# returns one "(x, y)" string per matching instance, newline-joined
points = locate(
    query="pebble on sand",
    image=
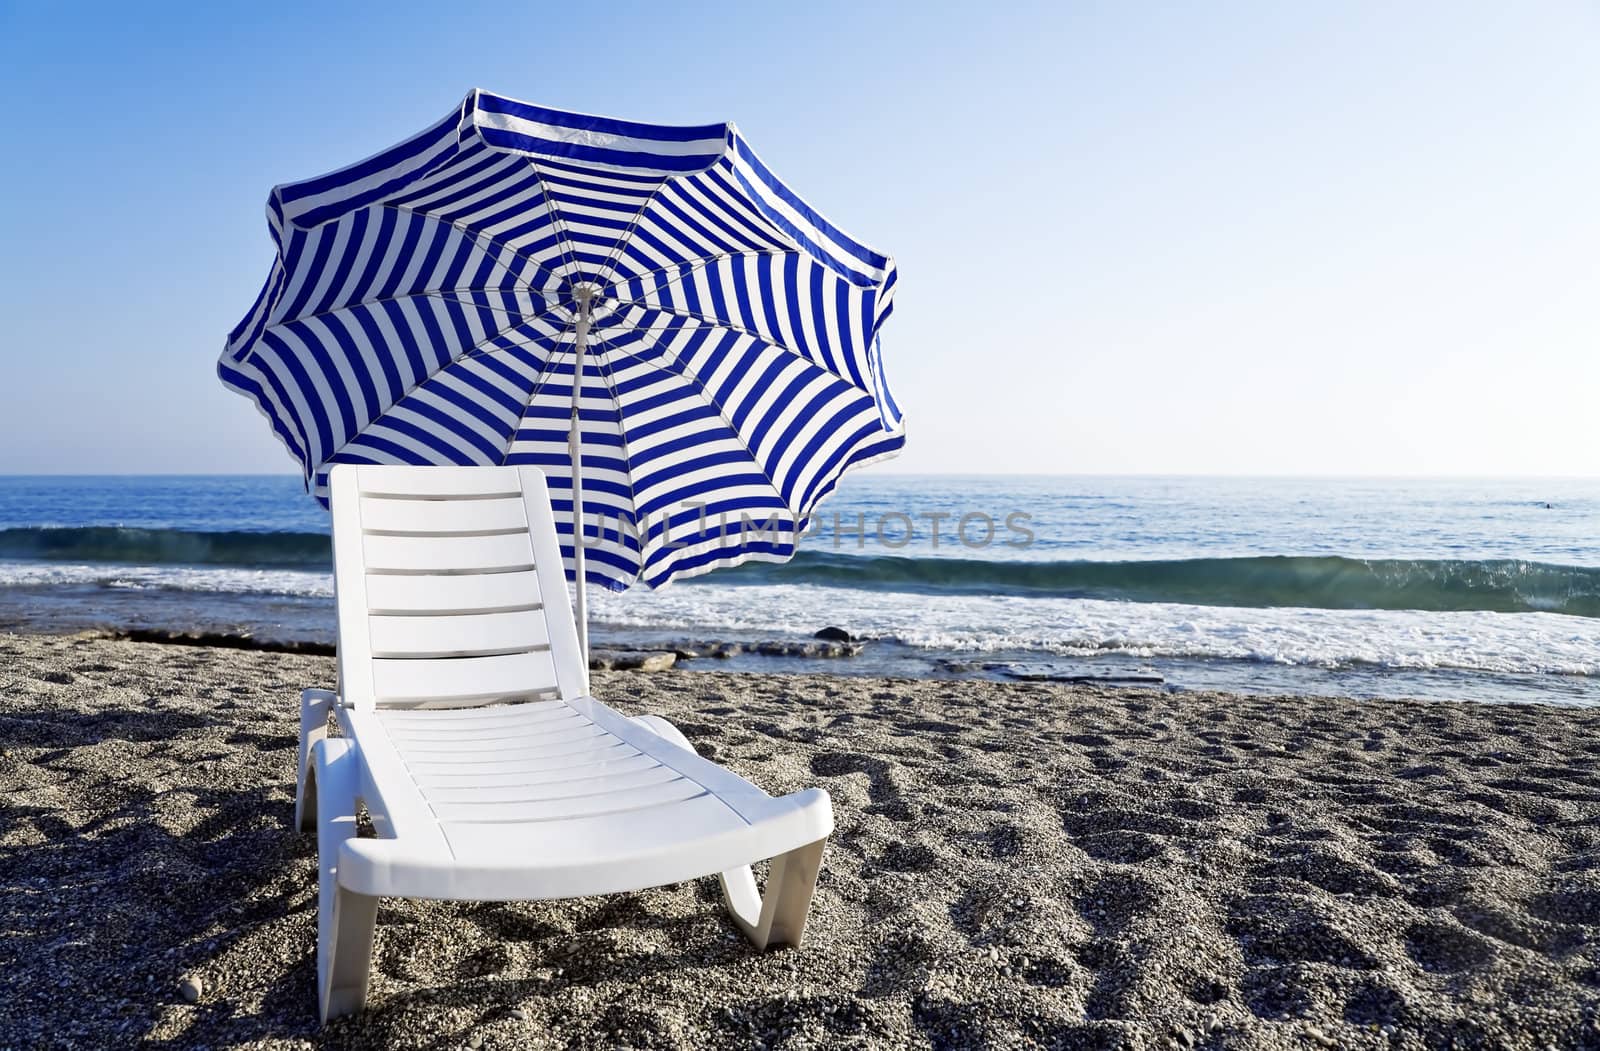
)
(192, 988)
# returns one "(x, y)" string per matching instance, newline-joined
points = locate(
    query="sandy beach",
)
(1015, 866)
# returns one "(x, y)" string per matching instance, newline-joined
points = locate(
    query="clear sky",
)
(1187, 238)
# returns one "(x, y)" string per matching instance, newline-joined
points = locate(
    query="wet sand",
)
(1015, 866)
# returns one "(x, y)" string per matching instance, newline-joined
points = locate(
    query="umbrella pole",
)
(575, 441)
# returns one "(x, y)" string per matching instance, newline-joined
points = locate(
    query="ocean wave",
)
(218, 580)
(1435, 585)
(122, 544)
(1250, 582)
(1398, 640)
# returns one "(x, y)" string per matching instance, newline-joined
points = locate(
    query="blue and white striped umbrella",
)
(433, 304)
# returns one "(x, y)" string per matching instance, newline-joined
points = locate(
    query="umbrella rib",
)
(622, 239)
(432, 374)
(538, 385)
(445, 294)
(685, 372)
(479, 236)
(688, 374)
(695, 264)
(456, 295)
(566, 256)
(615, 253)
(476, 238)
(563, 235)
(640, 304)
(716, 322)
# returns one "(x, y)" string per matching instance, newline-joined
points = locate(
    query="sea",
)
(1475, 589)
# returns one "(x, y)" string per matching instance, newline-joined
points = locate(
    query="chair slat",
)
(585, 783)
(516, 759)
(595, 764)
(579, 838)
(573, 733)
(463, 679)
(494, 715)
(479, 634)
(437, 517)
(527, 771)
(511, 753)
(615, 802)
(546, 713)
(457, 554)
(411, 483)
(470, 593)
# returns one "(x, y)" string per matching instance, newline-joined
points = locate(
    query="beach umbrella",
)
(687, 348)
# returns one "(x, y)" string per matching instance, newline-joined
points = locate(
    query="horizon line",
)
(1266, 475)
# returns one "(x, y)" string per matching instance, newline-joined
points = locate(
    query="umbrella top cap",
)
(579, 291)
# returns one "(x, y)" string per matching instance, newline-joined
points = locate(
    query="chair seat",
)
(555, 799)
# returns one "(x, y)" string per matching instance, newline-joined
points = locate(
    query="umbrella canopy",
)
(516, 282)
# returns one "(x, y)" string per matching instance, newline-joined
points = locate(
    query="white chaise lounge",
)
(467, 731)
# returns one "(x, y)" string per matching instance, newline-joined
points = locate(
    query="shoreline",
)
(1015, 864)
(830, 651)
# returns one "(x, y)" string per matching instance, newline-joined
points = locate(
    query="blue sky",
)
(1187, 238)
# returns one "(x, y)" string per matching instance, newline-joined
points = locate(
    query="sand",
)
(1015, 866)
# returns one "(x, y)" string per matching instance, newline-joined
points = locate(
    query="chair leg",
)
(314, 708)
(347, 961)
(777, 917)
(345, 919)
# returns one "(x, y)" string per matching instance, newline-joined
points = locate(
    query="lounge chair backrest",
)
(450, 588)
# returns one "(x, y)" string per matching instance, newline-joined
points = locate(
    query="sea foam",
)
(1517, 643)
